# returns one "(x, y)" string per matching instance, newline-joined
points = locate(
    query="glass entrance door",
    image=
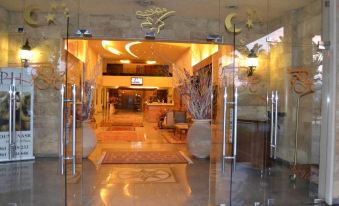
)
(266, 122)
(71, 130)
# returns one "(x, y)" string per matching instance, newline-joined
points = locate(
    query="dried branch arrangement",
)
(197, 92)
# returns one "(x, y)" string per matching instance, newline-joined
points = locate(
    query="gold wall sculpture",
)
(154, 18)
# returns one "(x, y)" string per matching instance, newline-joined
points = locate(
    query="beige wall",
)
(3, 37)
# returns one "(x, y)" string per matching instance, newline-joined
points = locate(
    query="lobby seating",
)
(171, 118)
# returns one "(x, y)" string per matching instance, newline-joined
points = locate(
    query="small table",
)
(181, 127)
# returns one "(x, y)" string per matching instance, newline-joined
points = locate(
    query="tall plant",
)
(197, 92)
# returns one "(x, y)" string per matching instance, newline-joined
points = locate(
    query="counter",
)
(153, 111)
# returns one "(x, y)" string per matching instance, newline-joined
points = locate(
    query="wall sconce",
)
(26, 53)
(252, 62)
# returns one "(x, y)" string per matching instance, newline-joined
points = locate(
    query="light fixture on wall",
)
(26, 53)
(83, 33)
(252, 62)
(215, 38)
(150, 35)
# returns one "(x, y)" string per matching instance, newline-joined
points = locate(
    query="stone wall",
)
(3, 37)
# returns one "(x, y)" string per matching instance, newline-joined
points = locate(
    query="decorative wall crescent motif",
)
(28, 15)
(301, 80)
(229, 24)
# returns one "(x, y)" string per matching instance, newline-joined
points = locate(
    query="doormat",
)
(121, 123)
(113, 136)
(173, 139)
(120, 128)
(140, 175)
(143, 157)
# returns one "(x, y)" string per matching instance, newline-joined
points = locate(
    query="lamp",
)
(252, 62)
(26, 53)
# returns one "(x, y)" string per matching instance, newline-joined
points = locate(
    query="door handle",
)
(12, 119)
(224, 130)
(274, 123)
(74, 96)
(62, 129)
(233, 138)
(63, 134)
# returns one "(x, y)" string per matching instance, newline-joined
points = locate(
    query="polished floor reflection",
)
(39, 183)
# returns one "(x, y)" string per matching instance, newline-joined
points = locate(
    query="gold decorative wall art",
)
(49, 18)
(230, 25)
(27, 15)
(251, 17)
(46, 76)
(154, 18)
(301, 80)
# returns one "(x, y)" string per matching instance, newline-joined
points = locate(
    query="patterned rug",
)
(121, 123)
(120, 128)
(160, 157)
(173, 139)
(113, 136)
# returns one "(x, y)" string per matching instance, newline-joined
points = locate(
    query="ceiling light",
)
(128, 48)
(125, 61)
(151, 62)
(107, 46)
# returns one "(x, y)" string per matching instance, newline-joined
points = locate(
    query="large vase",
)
(88, 139)
(199, 138)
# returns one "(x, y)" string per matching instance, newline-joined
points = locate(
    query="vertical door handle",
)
(276, 123)
(272, 125)
(224, 130)
(235, 133)
(233, 138)
(10, 121)
(62, 129)
(74, 95)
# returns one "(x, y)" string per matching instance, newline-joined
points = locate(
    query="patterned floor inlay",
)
(140, 175)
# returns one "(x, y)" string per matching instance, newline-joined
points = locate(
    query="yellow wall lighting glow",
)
(107, 45)
(128, 47)
(125, 61)
(151, 62)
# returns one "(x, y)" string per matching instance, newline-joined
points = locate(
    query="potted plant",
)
(196, 91)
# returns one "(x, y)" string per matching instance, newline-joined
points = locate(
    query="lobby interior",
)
(221, 107)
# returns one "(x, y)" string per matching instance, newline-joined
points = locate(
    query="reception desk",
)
(153, 111)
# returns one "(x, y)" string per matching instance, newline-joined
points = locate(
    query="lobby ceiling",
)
(268, 9)
(140, 52)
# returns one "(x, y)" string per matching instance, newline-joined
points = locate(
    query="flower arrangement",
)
(196, 91)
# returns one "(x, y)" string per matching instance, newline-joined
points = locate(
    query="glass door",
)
(71, 135)
(267, 111)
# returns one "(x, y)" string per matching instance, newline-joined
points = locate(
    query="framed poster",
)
(16, 115)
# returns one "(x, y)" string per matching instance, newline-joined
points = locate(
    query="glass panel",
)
(73, 143)
(269, 119)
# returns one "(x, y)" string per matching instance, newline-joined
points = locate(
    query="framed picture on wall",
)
(136, 81)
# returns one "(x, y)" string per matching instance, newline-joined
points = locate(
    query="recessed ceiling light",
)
(125, 61)
(151, 62)
(107, 45)
(128, 48)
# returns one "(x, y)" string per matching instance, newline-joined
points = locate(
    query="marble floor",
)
(39, 182)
